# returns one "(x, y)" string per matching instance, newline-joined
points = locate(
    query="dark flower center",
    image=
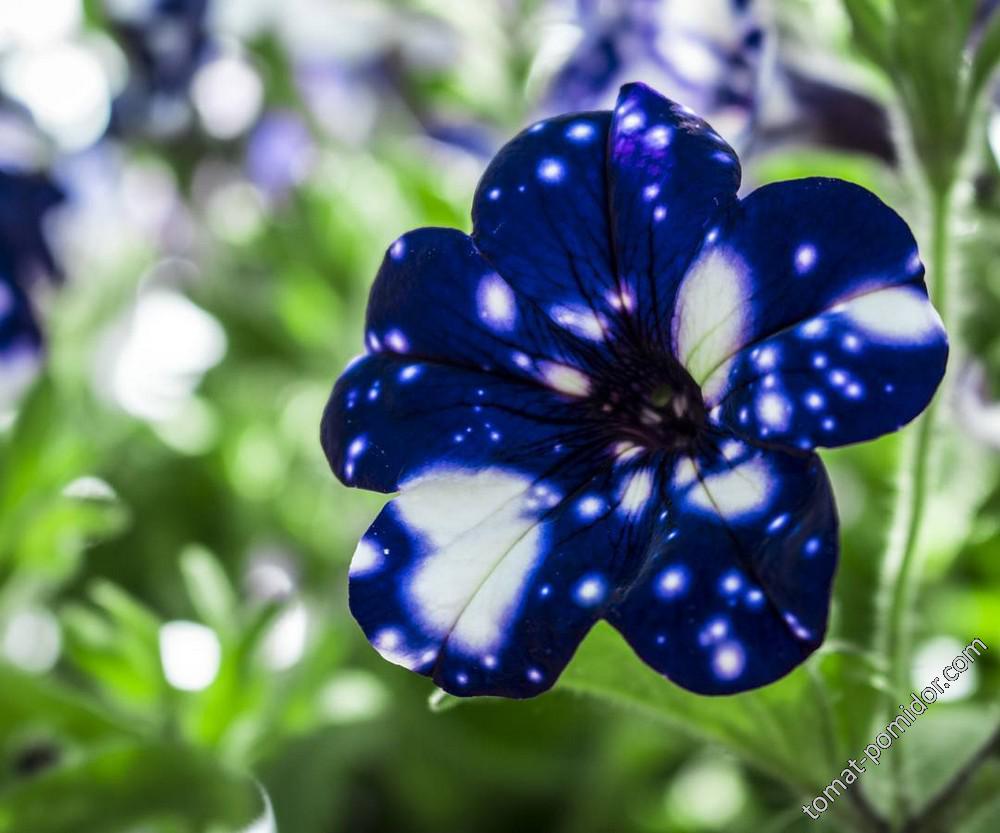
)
(653, 403)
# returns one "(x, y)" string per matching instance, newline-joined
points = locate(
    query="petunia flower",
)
(25, 198)
(20, 341)
(711, 56)
(603, 404)
(725, 60)
(165, 41)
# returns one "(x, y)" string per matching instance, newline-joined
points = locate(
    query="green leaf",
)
(127, 784)
(785, 729)
(208, 587)
(985, 59)
(868, 20)
(28, 701)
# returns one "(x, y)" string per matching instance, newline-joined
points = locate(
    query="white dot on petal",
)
(766, 358)
(714, 630)
(490, 661)
(590, 506)
(545, 590)
(796, 627)
(814, 400)
(672, 582)
(838, 378)
(397, 341)
(534, 675)
(580, 131)
(813, 329)
(754, 598)
(805, 258)
(659, 213)
(854, 390)
(828, 424)
(356, 447)
(495, 303)
(633, 121)
(590, 591)
(651, 192)
(658, 136)
(551, 170)
(494, 194)
(729, 660)
(397, 249)
(461, 678)
(851, 343)
(730, 582)
(774, 411)
(777, 523)
(819, 360)
(811, 547)
(409, 373)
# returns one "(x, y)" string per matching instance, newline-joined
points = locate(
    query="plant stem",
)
(901, 576)
(932, 816)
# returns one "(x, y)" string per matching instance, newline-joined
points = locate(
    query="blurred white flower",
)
(31, 640)
(152, 361)
(190, 654)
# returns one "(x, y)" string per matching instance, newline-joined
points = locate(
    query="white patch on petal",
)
(898, 315)
(711, 318)
(565, 379)
(636, 492)
(367, 559)
(734, 493)
(685, 473)
(482, 542)
(580, 321)
(495, 303)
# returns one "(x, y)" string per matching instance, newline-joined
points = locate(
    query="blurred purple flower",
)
(280, 153)
(709, 56)
(165, 41)
(975, 410)
(719, 58)
(25, 198)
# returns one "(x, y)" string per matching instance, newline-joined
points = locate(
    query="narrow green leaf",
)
(208, 587)
(985, 59)
(868, 20)
(127, 784)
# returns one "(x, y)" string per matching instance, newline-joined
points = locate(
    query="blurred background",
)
(194, 198)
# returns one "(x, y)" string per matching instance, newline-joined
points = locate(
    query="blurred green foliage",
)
(223, 513)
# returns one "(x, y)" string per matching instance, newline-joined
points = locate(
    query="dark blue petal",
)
(20, 341)
(25, 199)
(864, 368)
(390, 417)
(436, 298)
(734, 591)
(486, 580)
(807, 317)
(540, 215)
(671, 178)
